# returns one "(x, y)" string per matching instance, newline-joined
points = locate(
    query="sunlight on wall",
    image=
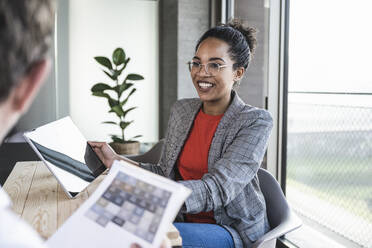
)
(96, 29)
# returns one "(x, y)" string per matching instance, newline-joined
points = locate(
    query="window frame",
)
(277, 88)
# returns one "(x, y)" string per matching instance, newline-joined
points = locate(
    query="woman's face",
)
(213, 86)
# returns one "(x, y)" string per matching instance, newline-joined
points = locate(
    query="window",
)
(329, 124)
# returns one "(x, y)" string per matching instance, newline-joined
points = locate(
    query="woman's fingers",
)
(166, 243)
(96, 144)
(104, 152)
(99, 145)
(107, 154)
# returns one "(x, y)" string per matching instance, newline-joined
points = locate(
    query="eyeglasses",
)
(211, 68)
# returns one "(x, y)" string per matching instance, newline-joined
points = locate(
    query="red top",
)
(193, 161)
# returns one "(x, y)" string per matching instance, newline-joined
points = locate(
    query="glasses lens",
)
(194, 66)
(213, 68)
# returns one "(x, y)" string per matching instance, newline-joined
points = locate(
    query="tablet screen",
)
(65, 151)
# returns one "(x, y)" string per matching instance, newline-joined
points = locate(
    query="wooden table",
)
(39, 200)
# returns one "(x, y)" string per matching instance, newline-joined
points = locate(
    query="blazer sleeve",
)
(154, 168)
(236, 168)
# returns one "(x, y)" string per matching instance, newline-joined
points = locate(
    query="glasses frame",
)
(205, 67)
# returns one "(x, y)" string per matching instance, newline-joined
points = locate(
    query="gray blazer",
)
(230, 188)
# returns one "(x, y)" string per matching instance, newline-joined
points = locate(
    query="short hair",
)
(240, 37)
(26, 29)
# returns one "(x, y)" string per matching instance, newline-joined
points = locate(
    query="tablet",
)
(67, 154)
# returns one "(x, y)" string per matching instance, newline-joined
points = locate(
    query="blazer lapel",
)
(183, 126)
(229, 116)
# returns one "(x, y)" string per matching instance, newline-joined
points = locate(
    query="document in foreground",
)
(131, 208)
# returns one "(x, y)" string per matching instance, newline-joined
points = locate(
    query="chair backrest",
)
(152, 156)
(276, 204)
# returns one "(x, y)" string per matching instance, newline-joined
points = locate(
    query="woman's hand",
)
(104, 152)
(166, 243)
(107, 154)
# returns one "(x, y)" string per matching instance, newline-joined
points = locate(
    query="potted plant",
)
(117, 96)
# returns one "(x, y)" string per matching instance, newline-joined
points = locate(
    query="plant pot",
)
(130, 148)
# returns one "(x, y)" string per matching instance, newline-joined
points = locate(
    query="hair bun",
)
(248, 32)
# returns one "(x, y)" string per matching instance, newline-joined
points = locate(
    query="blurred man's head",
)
(26, 29)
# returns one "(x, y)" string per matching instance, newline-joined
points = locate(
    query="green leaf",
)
(100, 87)
(128, 110)
(109, 122)
(116, 138)
(126, 99)
(132, 92)
(100, 94)
(125, 124)
(116, 89)
(118, 110)
(116, 73)
(124, 65)
(137, 136)
(124, 87)
(135, 77)
(112, 102)
(127, 61)
(104, 61)
(118, 56)
(113, 77)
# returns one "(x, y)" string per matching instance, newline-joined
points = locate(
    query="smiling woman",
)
(227, 51)
(223, 151)
(215, 145)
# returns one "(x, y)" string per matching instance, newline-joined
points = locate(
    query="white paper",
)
(130, 206)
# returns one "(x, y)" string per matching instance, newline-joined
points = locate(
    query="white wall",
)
(96, 28)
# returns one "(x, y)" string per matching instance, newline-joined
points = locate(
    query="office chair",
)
(151, 156)
(281, 219)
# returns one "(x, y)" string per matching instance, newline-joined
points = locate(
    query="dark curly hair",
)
(240, 37)
(26, 28)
